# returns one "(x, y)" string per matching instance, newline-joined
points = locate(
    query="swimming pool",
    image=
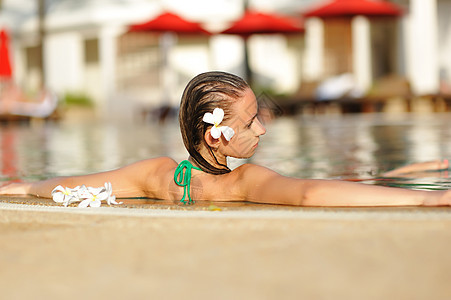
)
(357, 146)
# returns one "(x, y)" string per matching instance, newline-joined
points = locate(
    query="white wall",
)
(274, 63)
(107, 55)
(361, 46)
(422, 50)
(227, 52)
(64, 64)
(444, 31)
(314, 49)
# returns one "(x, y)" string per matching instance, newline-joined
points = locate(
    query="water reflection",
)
(426, 139)
(353, 146)
(350, 146)
(8, 153)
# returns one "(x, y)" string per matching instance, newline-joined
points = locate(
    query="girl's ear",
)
(211, 141)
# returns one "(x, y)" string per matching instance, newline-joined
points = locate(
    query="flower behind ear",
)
(215, 119)
(227, 132)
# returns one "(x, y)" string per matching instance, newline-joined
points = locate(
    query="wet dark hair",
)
(203, 94)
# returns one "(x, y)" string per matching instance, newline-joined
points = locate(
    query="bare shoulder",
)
(262, 185)
(164, 160)
(154, 176)
(232, 186)
(254, 171)
(155, 164)
(249, 176)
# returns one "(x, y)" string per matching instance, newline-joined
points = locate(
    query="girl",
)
(218, 118)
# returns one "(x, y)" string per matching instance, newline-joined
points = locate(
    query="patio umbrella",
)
(350, 8)
(168, 24)
(5, 64)
(253, 22)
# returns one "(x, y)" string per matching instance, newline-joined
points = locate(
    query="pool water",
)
(357, 147)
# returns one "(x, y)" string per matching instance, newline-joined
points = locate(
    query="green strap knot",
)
(182, 177)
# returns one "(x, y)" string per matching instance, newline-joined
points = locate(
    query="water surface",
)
(358, 146)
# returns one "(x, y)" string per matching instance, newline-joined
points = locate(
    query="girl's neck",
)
(214, 158)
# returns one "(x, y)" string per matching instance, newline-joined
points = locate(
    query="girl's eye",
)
(250, 124)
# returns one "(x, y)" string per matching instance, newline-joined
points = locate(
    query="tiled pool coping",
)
(250, 212)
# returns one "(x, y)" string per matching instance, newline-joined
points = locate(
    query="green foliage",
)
(77, 99)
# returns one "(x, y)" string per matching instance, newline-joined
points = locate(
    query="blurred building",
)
(414, 46)
(88, 49)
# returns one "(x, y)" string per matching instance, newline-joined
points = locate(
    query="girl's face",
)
(246, 125)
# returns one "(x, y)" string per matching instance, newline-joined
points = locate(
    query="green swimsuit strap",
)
(184, 179)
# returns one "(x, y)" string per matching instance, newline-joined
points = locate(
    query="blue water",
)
(304, 146)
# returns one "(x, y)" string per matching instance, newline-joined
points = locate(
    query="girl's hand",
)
(437, 198)
(445, 199)
(429, 166)
(15, 188)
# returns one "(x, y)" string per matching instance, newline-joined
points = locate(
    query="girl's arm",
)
(265, 186)
(128, 181)
(419, 169)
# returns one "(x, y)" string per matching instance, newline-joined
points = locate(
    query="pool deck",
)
(243, 251)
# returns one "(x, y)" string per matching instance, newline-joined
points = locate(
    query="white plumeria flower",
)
(64, 195)
(75, 198)
(111, 198)
(215, 118)
(88, 196)
(92, 196)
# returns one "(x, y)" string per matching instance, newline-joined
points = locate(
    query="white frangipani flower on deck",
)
(111, 199)
(216, 118)
(92, 196)
(63, 195)
(87, 196)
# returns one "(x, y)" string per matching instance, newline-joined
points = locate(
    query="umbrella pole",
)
(167, 42)
(247, 68)
(41, 39)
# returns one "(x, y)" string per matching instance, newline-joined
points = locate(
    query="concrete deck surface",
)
(248, 252)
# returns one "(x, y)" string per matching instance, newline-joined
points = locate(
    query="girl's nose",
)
(259, 128)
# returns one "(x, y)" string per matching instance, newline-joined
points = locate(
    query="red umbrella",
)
(253, 22)
(349, 8)
(259, 23)
(169, 22)
(5, 64)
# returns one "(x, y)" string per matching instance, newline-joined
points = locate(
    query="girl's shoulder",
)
(155, 165)
(243, 181)
(252, 170)
(165, 161)
(251, 174)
